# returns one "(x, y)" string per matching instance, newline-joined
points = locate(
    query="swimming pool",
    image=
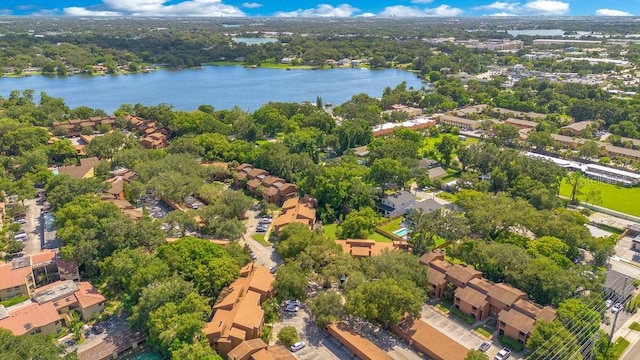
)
(402, 231)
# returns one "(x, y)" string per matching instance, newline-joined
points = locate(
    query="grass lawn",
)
(447, 196)
(429, 143)
(484, 331)
(619, 346)
(392, 226)
(260, 238)
(635, 326)
(330, 231)
(379, 237)
(614, 197)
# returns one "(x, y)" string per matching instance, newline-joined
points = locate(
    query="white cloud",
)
(251, 5)
(502, 14)
(531, 7)
(412, 11)
(612, 12)
(421, 1)
(157, 8)
(367, 14)
(80, 11)
(547, 7)
(322, 10)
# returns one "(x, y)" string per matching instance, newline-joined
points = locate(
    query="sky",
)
(321, 8)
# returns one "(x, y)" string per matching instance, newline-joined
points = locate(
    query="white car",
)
(616, 308)
(609, 302)
(505, 353)
(297, 346)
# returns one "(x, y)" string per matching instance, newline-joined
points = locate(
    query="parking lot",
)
(458, 332)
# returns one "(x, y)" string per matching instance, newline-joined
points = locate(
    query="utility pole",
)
(615, 319)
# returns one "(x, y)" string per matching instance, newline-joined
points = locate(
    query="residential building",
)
(403, 202)
(419, 123)
(411, 112)
(477, 297)
(256, 349)
(296, 210)
(85, 170)
(358, 346)
(16, 278)
(521, 124)
(459, 122)
(508, 113)
(237, 315)
(577, 128)
(113, 346)
(258, 182)
(361, 248)
(30, 318)
(436, 173)
(69, 295)
(74, 127)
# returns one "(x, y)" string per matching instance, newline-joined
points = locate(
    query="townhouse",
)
(361, 248)
(237, 314)
(296, 210)
(259, 183)
(477, 297)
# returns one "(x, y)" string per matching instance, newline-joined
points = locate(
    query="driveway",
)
(265, 255)
(458, 332)
(32, 227)
(319, 344)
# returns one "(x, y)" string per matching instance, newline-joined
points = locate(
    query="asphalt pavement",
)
(33, 243)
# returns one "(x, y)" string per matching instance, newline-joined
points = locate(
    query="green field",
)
(330, 233)
(260, 238)
(429, 143)
(614, 197)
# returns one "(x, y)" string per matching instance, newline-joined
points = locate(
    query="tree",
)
(593, 196)
(385, 300)
(589, 150)
(182, 220)
(359, 224)
(551, 340)
(291, 282)
(288, 336)
(36, 346)
(576, 180)
(388, 173)
(475, 354)
(327, 308)
(199, 350)
(447, 147)
(154, 296)
(579, 318)
(427, 226)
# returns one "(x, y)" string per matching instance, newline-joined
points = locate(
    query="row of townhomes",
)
(46, 307)
(480, 298)
(238, 319)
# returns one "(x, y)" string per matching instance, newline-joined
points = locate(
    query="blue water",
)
(220, 86)
(402, 231)
(145, 356)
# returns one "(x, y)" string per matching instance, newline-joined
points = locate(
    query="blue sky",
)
(320, 8)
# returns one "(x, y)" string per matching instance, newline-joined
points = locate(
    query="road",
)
(617, 264)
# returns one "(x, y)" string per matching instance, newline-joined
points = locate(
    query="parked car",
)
(504, 353)
(21, 221)
(98, 329)
(291, 308)
(297, 346)
(616, 308)
(295, 302)
(484, 346)
(609, 302)
(21, 237)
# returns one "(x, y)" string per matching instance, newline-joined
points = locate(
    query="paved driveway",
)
(319, 344)
(458, 332)
(265, 255)
(32, 227)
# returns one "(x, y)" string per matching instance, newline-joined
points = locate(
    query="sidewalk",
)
(633, 336)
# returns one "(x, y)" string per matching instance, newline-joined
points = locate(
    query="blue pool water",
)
(402, 231)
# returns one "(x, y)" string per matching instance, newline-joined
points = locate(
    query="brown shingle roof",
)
(427, 258)
(505, 293)
(462, 273)
(440, 346)
(363, 348)
(517, 320)
(471, 296)
(246, 349)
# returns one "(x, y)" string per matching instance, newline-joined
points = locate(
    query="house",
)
(237, 315)
(436, 173)
(427, 164)
(69, 295)
(296, 210)
(459, 122)
(256, 349)
(577, 128)
(361, 151)
(411, 112)
(429, 340)
(85, 170)
(361, 248)
(358, 346)
(476, 296)
(396, 204)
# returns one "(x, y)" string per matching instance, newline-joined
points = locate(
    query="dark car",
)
(98, 329)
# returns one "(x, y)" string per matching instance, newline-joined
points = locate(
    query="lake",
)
(253, 41)
(220, 86)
